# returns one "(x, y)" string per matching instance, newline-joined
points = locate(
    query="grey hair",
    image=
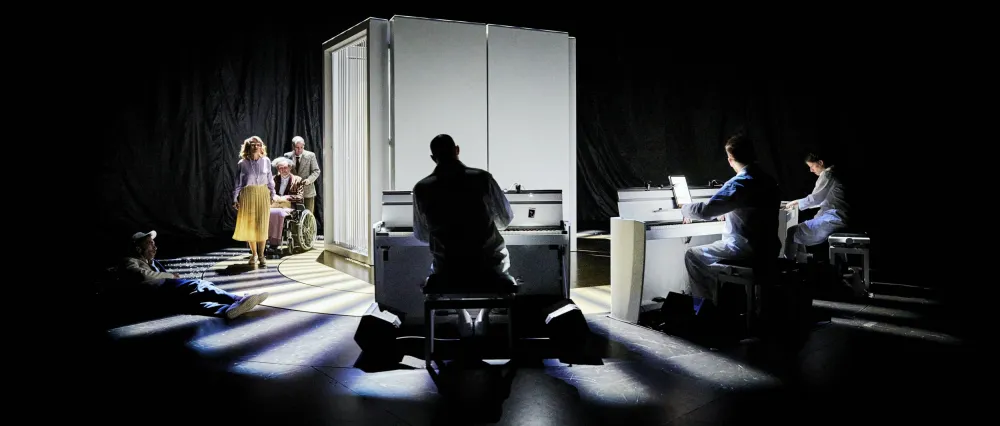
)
(281, 160)
(298, 139)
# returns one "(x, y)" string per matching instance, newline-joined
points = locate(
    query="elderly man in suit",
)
(193, 295)
(288, 187)
(305, 166)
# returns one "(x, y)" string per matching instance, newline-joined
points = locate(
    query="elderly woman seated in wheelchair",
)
(292, 228)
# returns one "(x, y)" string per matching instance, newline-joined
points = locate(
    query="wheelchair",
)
(297, 234)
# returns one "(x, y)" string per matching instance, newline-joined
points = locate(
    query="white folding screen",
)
(438, 86)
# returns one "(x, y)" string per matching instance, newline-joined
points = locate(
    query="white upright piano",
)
(648, 242)
(538, 240)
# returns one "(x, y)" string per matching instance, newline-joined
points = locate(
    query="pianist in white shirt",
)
(829, 197)
(748, 202)
(459, 211)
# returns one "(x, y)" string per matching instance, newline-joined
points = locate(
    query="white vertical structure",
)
(506, 95)
(355, 137)
(569, 197)
(529, 111)
(439, 86)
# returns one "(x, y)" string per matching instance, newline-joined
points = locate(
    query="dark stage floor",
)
(895, 358)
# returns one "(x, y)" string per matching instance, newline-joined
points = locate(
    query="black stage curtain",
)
(640, 122)
(654, 102)
(178, 107)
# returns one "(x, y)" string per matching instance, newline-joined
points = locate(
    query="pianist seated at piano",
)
(747, 201)
(830, 196)
(459, 211)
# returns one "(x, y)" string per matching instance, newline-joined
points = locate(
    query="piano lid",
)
(523, 191)
(666, 188)
(525, 196)
(532, 208)
(507, 230)
(666, 193)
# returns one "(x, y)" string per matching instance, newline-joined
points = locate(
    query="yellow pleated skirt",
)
(253, 214)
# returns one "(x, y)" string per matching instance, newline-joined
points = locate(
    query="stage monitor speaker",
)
(566, 326)
(377, 332)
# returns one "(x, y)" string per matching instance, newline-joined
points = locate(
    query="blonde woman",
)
(252, 197)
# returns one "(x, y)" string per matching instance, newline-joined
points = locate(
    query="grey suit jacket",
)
(308, 170)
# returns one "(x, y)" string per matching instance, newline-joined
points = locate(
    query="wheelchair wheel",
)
(306, 232)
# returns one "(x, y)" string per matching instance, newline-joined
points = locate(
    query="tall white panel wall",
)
(529, 108)
(532, 111)
(439, 85)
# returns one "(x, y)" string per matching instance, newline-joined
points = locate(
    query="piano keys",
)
(648, 242)
(538, 240)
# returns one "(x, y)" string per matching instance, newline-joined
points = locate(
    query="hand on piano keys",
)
(688, 219)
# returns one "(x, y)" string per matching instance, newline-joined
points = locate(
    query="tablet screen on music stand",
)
(682, 195)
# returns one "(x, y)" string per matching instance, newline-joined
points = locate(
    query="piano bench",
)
(742, 272)
(740, 268)
(738, 272)
(439, 298)
(852, 243)
(844, 239)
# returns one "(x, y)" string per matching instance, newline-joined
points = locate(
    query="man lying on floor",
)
(192, 295)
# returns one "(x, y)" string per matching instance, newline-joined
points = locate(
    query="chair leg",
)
(867, 275)
(750, 305)
(834, 266)
(510, 329)
(429, 344)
